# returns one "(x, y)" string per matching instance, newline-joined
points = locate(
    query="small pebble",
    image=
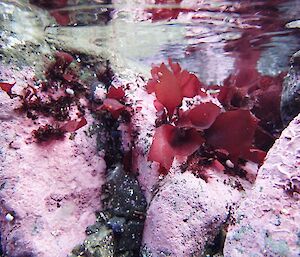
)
(70, 91)
(99, 92)
(293, 24)
(284, 211)
(9, 217)
(229, 164)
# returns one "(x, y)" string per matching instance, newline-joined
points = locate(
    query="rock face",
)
(187, 213)
(49, 191)
(290, 99)
(143, 122)
(268, 222)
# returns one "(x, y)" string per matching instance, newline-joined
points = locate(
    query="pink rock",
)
(49, 191)
(268, 222)
(143, 123)
(186, 214)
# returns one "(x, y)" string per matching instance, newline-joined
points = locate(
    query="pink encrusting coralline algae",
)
(49, 190)
(267, 223)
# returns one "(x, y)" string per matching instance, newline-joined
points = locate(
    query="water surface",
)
(210, 38)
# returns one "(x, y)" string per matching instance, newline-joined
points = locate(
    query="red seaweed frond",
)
(7, 87)
(229, 133)
(170, 85)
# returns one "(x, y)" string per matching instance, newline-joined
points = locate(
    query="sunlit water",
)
(210, 38)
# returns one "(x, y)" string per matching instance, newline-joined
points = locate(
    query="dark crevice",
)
(124, 205)
(217, 246)
(122, 198)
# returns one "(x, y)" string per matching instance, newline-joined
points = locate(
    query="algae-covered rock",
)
(126, 204)
(267, 223)
(98, 244)
(119, 227)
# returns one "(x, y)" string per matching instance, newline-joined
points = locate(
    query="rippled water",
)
(210, 38)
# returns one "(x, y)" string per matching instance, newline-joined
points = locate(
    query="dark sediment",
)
(290, 99)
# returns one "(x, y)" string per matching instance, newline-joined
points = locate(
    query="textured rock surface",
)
(290, 99)
(268, 221)
(143, 122)
(186, 214)
(124, 211)
(50, 189)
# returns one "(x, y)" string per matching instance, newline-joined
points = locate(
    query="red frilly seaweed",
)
(171, 85)
(116, 93)
(228, 134)
(202, 116)
(170, 141)
(232, 131)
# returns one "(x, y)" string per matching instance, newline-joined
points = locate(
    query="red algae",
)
(166, 88)
(48, 132)
(113, 106)
(161, 150)
(57, 98)
(185, 141)
(49, 4)
(115, 93)
(170, 86)
(7, 87)
(61, 17)
(201, 117)
(231, 131)
(158, 14)
(58, 68)
(170, 141)
(73, 125)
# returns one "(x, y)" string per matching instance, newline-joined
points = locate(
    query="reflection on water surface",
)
(210, 38)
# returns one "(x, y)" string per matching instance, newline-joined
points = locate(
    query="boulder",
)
(49, 191)
(187, 213)
(267, 223)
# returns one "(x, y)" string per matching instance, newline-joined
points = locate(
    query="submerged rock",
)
(187, 213)
(97, 244)
(267, 223)
(290, 99)
(126, 204)
(49, 191)
(119, 227)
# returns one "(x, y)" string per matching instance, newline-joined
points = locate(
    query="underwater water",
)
(245, 45)
(210, 38)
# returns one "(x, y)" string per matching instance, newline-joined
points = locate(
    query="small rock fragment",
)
(9, 217)
(293, 25)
